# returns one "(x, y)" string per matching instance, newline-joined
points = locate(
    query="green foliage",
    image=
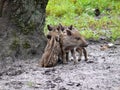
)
(90, 34)
(80, 13)
(115, 33)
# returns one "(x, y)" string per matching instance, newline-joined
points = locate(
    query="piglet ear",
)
(60, 24)
(61, 27)
(58, 28)
(69, 33)
(70, 27)
(49, 27)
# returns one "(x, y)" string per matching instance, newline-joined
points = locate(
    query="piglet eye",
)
(77, 38)
(48, 36)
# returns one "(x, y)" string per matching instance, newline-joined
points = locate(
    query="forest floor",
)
(101, 72)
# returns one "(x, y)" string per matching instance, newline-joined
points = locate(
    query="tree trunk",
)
(21, 28)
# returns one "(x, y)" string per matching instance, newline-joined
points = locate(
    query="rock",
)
(15, 84)
(90, 61)
(13, 72)
(110, 45)
(49, 84)
(103, 47)
(58, 80)
(62, 88)
(78, 84)
(70, 83)
(49, 71)
(106, 46)
(108, 67)
(117, 42)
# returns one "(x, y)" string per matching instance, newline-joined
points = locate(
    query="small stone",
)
(97, 86)
(62, 88)
(1, 74)
(78, 84)
(58, 80)
(117, 42)
(108, 67)
(50, 84)
(91, 88)
(90, 61)
(47, 72)
(70, 83)
(110, 45)
(103, 57)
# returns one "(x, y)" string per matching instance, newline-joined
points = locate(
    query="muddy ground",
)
(101, 72)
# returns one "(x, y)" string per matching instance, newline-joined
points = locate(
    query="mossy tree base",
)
(22, 24)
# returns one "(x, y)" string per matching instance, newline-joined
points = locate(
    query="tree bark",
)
(22, 23)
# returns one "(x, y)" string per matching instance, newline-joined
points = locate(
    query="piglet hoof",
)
(86, 59)
(65, 63)
(79, 59)
(75, 62)
(71, 59)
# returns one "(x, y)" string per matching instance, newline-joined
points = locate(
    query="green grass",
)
(80, 13)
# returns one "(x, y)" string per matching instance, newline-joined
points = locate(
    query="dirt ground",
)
(101, 72)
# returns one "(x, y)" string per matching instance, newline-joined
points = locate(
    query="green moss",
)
(26, 26)
(26, 44)
(27, 29)
(15, 44)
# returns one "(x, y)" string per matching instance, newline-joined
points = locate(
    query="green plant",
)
(115, 33)
(80, 13)
(88, 34)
